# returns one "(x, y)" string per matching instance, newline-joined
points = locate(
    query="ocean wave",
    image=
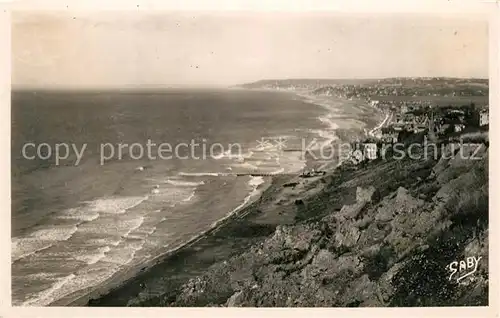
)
(80, 214)
(229, 155)
(256, 181)
(142, 233)
(125, 254)
(24, 247)
(181, 183)
(47, 296)
(202, 174)
(55, 233)
(39, 276)
(104, 241)
(89, 276)
(40, 240)
(113, 226)
(268, 146)
(327, 120)
(327, 136)
(189, 198)
(92, 257)
(222, 155)
(115, 205)
(171, 195)
(246, 165)
(135, 224)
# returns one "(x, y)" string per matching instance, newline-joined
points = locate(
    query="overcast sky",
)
(57, 50)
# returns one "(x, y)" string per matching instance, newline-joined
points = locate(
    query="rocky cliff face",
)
(393, 246)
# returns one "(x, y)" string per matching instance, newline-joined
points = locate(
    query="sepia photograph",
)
(211, 158)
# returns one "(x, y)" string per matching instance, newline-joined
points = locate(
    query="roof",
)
(387, 130)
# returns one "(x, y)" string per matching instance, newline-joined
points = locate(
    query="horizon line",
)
(207, 86)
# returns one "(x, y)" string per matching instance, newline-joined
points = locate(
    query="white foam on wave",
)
(229, 155)
(114, 227)
(40, 240)
(329, 121)
(256, 181)
(189, 198)
(101, 216)
(246, 165)
(327, 136)
(55, 233)
(36, 276)
(92, 257)
(47, 296)
(24, 247)
(173, 195)
(222, 155)
(181, 183)
(88, 276)
(135, 224)
(329, 133)
(104, 241)
(265, 147)
(123, 255)
(115, 205)
(81, 214)
(142, 233)
(202, 174)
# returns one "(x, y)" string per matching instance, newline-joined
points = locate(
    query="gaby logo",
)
(464, 268)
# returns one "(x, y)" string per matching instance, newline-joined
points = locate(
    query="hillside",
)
(382, 233)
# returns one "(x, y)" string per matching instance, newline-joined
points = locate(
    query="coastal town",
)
(461, 115)
(438, 109)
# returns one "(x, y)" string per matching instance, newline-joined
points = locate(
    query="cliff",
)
(391, 245)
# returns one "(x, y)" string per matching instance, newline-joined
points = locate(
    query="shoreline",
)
(137, 275)
(118, 285)
(121, 278)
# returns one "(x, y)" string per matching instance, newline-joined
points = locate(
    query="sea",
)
(79, 220)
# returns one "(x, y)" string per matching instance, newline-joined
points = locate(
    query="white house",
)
(484, 118)
(370, 151)
(404, 109)
(459, 127)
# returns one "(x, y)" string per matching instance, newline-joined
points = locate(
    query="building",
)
(484, 117)
(397, 127)
(409, 118)
(404, 108)
(370, 151)
(458, 127)
(422, 119)
(419, 128)
(389, 135)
